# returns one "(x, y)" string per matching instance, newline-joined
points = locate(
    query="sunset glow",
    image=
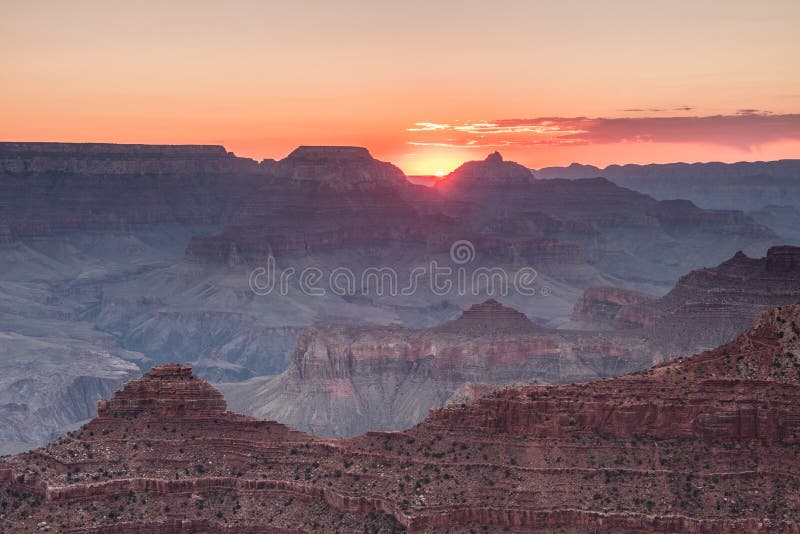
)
(240, 75)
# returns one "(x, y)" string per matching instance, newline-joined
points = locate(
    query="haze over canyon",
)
(122, 258)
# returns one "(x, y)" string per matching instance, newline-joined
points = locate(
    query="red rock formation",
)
(488, 318)
(703, 445)
(168, 391)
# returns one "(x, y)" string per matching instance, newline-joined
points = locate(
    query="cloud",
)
(751, 111)
(472, 143)
(428, 127)
(746, 129)
(657, 110)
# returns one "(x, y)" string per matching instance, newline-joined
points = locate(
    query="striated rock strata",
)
(705, 308)
(344, 380)
(702, 445)
(53, 188)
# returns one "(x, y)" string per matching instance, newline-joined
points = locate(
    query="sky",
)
(424, 84)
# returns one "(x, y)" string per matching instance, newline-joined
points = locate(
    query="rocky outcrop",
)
(705, 308)
(783, 260)
(610, 307)
(322, 199)
(170, 391)
(345, 380)
(338, 167)
(706, 444)
(491, 172)
(489, 318)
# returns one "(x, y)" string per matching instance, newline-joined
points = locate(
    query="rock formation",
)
(118, 257)
(705, 444)
(168, 391)
(622, 234)
(705, 308)
(345, 380)
(320, 199)
(48, 188)
(610, 307)
(491, 172)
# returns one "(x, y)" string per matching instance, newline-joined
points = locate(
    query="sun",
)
(433, 161)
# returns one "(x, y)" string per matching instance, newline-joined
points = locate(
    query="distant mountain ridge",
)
(743, 185)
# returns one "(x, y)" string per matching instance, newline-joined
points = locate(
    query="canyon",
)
(344, 380)
(706, 443)
(128, 256)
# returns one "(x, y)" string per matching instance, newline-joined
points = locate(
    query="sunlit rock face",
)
(705, 444)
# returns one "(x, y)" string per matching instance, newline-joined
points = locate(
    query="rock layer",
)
(705, 308)
(706, 444)
(345, 380)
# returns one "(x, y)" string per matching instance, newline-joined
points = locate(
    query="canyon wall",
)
(705, 444)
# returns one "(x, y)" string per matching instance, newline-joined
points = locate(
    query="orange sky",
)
(263, 77)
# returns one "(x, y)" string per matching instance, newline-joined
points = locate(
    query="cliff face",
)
(118, 159)
(345, 380)
(48, 188)
(706, 444)
(609, 307)
(322, 199)
(706, 306)
(152, 246)
(339, 167)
